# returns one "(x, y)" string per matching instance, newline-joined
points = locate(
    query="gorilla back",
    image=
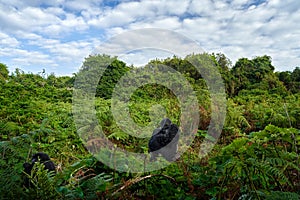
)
(38, 157)
(164, 141)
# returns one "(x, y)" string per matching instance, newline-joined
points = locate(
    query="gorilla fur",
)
(164, 141)
(38, 157)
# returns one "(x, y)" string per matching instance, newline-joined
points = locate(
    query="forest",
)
(256, 156)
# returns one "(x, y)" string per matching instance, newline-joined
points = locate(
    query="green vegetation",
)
(256, 157)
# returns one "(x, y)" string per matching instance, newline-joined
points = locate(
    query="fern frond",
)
(119, 135)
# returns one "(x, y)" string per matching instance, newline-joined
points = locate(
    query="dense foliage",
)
(256, 157)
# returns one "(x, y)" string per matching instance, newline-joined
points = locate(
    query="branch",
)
(131, 182)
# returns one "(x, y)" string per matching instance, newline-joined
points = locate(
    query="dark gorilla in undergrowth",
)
(164, 141)
(44, 159)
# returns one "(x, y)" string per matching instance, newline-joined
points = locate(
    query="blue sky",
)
(57, 35)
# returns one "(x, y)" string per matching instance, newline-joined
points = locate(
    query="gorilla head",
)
(164, 141)
(38, 157)
(165, 123)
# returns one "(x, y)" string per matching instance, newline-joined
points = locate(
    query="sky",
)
(57, 35)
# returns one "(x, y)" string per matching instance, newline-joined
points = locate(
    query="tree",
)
(224, 65)
(3, 72)
(262, 65)
(248, 72)
(112, 70)
(295, 76)
(223, 62)
(291, 80)
(183, 66)
(284, 77)
(242, 73)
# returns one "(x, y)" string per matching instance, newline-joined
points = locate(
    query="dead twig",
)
(131, 182)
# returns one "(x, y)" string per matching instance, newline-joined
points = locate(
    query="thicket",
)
(256, 157)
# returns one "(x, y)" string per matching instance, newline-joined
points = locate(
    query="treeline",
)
(245, 74)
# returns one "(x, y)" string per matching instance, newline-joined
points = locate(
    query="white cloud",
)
(20, 58)
(29, 18)
(141, 45)
(166, 7)
(202, 8)
(79, 5)
(6, 40)
(169, 23)
(51, 21)
(143, 56)
(129, 13)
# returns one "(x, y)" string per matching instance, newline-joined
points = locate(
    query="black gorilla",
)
(164, 141)
(38, 157)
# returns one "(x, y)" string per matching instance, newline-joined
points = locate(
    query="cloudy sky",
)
(57, 35)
